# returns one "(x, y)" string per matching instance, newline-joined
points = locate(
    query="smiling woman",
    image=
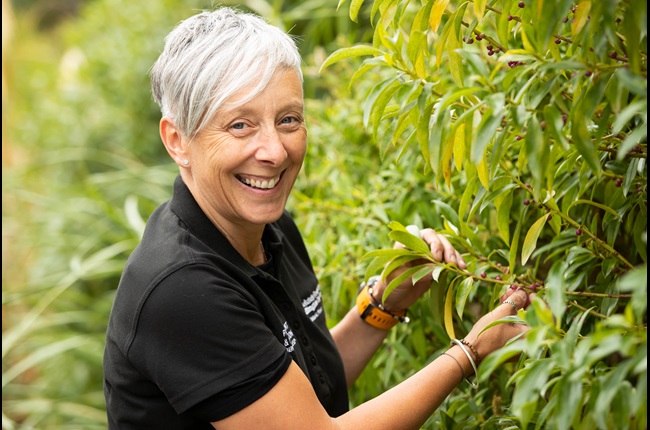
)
(218, 320)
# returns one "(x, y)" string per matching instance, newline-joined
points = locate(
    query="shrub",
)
(530, 120)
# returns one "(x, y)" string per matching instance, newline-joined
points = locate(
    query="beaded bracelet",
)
(478, 357)
(471, 360)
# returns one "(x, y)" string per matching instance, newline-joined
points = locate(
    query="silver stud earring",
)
(186, 162)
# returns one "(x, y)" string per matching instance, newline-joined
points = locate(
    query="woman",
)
(218, 317)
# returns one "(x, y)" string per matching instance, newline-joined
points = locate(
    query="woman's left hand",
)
(407, 293)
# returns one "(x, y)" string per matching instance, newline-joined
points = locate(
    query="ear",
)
(173, 141)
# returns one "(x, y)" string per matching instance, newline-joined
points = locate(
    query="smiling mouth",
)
(265, 184)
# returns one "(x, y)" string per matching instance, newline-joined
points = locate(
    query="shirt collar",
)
(188, 210)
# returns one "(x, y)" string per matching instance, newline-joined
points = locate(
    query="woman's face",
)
(244, 164)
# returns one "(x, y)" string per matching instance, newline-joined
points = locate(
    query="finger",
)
(435, 244)
(442, 249)
(510, 302)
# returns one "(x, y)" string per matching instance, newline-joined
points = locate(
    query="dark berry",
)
(588, 73)
(518, 138)
(526, 202)
(612, 54)
(550, 217)
(558, 41)
(498, 278)
(619, 182)
(510, 17)
(470, 41)
(521, 4)
(483, 274)
(578, 232)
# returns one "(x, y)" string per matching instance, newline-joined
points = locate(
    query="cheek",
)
(297, 149)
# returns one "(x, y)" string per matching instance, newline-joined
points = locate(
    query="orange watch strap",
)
(370, 312)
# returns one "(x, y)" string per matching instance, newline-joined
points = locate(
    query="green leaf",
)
(447, 211)
(462, 293)
(569, 394)
(555, 287)
(636, 281)
(353, 51)
(386, 87)
(355, 6)
(449, 306)
(410, 241)
(379, 105)
(592, 203)
(514, 245)
(497, 359)
(582, 141)
(485, 133)
(479, 8)
(530, 381)
(530, 242)
(437, 293)
(503, 217)
(580, 17)
(437, 10)
(395, 282)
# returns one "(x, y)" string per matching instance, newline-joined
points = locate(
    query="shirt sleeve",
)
(202, 339)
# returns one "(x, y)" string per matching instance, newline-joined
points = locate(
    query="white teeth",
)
(264, 185)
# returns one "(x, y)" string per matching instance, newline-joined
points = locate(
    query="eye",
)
(238, 126)
(288, 120)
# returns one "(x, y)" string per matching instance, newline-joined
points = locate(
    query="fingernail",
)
(513, 287)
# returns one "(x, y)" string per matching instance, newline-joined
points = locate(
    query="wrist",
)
(465, 349)
(372, 311)
(377, 288)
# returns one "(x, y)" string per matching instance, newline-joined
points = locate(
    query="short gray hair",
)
(212, 55)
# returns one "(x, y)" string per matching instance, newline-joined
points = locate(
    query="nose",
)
(271, 147)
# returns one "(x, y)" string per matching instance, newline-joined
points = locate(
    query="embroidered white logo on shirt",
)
(289, 339)
(313, 304)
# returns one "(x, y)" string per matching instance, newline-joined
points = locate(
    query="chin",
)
(266, 217)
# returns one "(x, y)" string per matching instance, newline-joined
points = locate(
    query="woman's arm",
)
(357, 342)
(292, 404)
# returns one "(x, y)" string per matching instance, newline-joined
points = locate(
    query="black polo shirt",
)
(196, 333)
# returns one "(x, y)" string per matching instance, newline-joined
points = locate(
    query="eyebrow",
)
(247, 110)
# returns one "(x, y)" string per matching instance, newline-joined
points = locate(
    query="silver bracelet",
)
(462, 372)
(471, 360)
